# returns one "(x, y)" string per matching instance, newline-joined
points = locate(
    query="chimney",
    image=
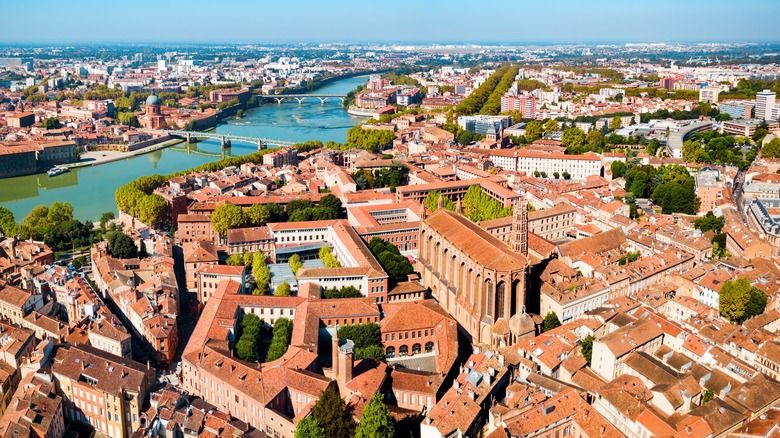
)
(335, 353)
(345, 362)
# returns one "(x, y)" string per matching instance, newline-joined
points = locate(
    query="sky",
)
(473, 21)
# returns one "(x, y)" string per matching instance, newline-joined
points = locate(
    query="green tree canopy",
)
(376, 421)
(771, 149)
(7, 221)
(261, 273)
(257, 215)
(309, 427)
(533, 130)
(587, 348)
(227, 216)
(618, 169)
(333, 414)
(550, 322)
(295, 264)
(51, 123)
(733, 298)
(549, 126)
(283, 290)
(121, 246)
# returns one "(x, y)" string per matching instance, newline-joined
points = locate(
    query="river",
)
(91, 189)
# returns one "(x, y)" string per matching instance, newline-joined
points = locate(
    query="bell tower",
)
(518, 240)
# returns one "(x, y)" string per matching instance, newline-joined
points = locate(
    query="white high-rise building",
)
(765, 103)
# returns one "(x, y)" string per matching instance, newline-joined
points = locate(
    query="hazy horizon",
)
(503, 22)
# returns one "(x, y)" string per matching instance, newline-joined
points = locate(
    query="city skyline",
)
(234, 21)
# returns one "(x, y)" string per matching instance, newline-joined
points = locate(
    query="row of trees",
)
(396, 265)
(280, 340)
(138, 199)
(367, 338)
(477, 99)
(372, 140)
(228, 216)
(344, 292)
(493, 104)
(248, 344)
(479, 206)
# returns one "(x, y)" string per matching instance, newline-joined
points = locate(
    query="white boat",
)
(54, 171)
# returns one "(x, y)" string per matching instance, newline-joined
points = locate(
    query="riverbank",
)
(360, 112)
(93, 158)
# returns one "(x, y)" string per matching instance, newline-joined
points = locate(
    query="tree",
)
(675, 173)
(106, 218)
(573, 138)
(283, 290)
(566, 175)
(550, 322)
(587, 348)
(708, 396)
(615, 123)
(261, 273)
(618, 169)
(733, 297)
(371, 352)
(227, 216)
(710, 222)
(7, 221)
(431, 201)
(771, 149)
(550, 126)
(327, 257)
(51, 123)
(59, 212)
(705, 108)
(257, 215)
(693, 151)
(332, 203)
(756, 303)
(121, 246)
(38, 217)
(129, 119)
(152, 209)
(295, 264)
(396, 265)
(333, 414)
(309, 427)
(79, 262)
(142, 253)
(479, 206)
(595, 139)
(533, 130)
(376, 421)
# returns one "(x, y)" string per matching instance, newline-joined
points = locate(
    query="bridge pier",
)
(225, 142)
(260, 145)
(279, 100)
(322, 99)
(300, 100)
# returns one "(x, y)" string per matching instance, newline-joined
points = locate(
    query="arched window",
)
(500, 299)
(403, 351)
(390, 352)
(416, 349)
(429, 347)
(489, 297)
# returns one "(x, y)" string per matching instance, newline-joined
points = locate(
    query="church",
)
(476, 277)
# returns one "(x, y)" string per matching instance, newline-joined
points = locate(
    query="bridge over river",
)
(226, 139)
(279, 98)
